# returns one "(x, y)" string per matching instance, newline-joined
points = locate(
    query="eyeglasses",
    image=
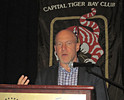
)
(68, 43)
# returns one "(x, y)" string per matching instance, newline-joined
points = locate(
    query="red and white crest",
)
(89, 39)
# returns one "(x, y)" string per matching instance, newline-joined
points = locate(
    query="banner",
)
(98, 25)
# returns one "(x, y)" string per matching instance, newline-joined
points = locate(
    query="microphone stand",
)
(107, 80)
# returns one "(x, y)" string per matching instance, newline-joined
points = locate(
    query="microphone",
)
(90, 65)
(80, 64)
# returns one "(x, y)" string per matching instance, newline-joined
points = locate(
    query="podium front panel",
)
(45, 92)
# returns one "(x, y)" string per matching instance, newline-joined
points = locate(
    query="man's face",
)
(66, 46)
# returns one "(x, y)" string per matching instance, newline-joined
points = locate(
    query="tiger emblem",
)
(88, 39)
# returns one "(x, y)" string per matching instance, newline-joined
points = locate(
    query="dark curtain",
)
(123, 43)
(18, 40)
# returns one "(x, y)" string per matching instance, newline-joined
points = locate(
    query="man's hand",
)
(23, 80)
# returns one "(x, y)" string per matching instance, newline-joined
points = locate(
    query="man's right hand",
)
(23, 80)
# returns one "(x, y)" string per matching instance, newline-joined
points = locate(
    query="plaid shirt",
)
(67, 78)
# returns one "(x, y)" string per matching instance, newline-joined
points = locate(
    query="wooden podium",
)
(45, 92)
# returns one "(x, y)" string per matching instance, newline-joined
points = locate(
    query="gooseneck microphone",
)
(88, 68)
(80, 64)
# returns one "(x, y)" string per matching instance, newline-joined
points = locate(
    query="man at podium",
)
(66, 47)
